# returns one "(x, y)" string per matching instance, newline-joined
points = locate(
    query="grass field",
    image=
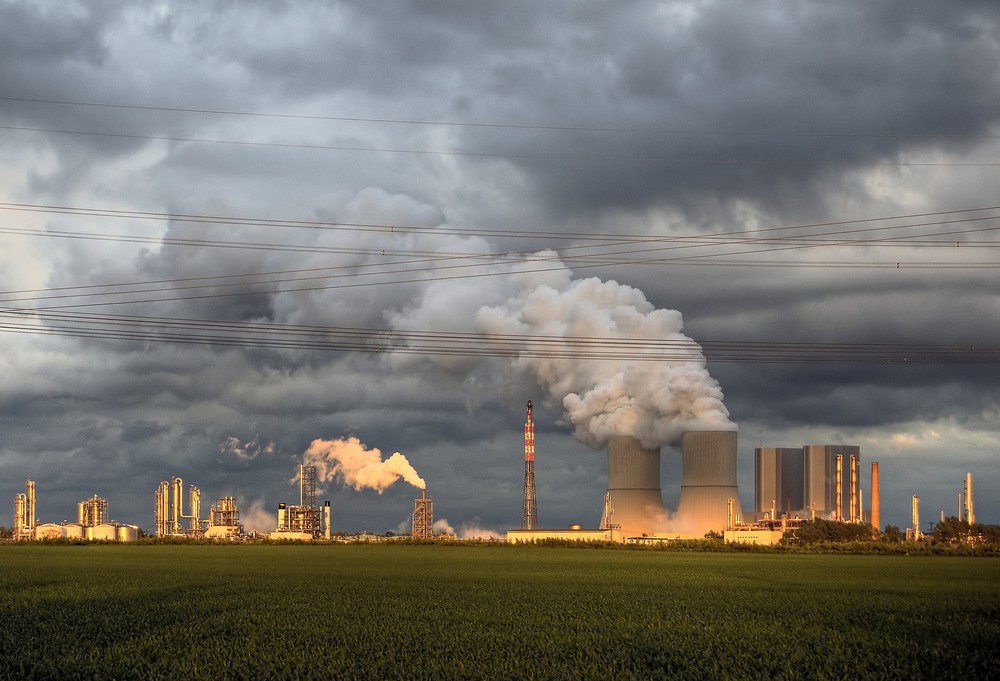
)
(423, 612)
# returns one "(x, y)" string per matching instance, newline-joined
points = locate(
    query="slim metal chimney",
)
(875, 500)
(970, 513)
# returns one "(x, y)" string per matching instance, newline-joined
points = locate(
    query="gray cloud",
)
(638, 119)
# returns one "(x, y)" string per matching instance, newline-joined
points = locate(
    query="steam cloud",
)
(654, 401)
(358, 466)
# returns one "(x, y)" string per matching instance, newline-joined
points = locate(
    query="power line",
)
(496, 154)
(423, 342)
(508, 125)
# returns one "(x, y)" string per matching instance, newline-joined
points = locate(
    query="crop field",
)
(479, 612)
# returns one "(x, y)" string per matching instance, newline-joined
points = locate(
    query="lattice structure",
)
(423, 517)
(306, 516)
(93, 512)
(529, 506)
(224, 513)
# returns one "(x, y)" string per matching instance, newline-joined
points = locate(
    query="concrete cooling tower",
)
(708, 482)
(634, 487)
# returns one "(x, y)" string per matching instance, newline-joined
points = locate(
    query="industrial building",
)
(92, 521)
(814, 481)
(302, 522)
(223, 521)
(423, 517)
(633, 502)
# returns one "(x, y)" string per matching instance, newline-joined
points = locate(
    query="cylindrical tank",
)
(128, 533)
(103, 532)
(49, 531)
(634, 487)
(708, 482)
(72, 531)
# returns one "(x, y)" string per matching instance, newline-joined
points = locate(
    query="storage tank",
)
(634, 487)
(72, 531)
(103, 532)
(128, 533)
(49, 531)
(708, 481)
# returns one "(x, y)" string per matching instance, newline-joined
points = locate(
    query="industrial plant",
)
(791, 486)
(223, 521)
(92, 521)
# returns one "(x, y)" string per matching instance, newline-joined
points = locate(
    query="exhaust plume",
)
(357, 466)
(654, 402)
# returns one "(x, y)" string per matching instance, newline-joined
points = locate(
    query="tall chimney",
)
(875, 500)
(634, 487)
(708, 481)
(970, 513)
(839, 489)
(529, 504)
(854, 489)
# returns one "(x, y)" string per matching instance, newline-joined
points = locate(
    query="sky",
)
(229, 232)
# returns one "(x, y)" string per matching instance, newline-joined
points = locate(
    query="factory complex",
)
(791, 486)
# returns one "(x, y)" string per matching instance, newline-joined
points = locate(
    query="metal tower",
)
(423, 517)
(529, 509)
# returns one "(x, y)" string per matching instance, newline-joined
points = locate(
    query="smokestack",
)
(634, 487)
(529, 505)
(839, 489)
(708, 480)
(916, 516)
(970, 514)
(875, 500)
(854, 489)
(326, 519)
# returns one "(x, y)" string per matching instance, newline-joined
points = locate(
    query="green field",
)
(412, 612)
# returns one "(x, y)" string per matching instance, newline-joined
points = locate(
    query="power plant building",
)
(820, 481)
(778, 479)
(636, 503)
(709, 491)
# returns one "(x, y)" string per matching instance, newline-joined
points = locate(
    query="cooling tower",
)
(708, 481)
(634, 487)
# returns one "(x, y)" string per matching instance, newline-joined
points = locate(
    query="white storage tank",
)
(73, 531)
(49, 531)
(103, 532)
(128, 533)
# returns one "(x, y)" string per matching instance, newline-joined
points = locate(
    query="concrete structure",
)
(825, 493)
(634, 487)
(778, 480)
(708, 482)
(574, 533)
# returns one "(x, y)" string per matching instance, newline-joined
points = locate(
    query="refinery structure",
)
(93, 523)
(792, 485)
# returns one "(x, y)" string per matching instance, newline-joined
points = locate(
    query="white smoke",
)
(247, 451)
(467, 530)
(357, 466)
(257, 517)
(654, 401)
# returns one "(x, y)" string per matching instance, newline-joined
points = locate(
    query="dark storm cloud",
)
(727, 117)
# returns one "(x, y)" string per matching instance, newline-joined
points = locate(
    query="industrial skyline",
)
(225, 235)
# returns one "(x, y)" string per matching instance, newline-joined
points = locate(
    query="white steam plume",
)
(358, 466)
(654, 401)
